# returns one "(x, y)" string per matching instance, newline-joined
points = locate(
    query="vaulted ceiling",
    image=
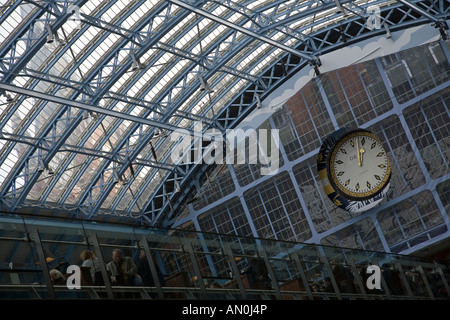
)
(92, 90)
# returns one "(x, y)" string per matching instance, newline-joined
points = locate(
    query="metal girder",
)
(245, 31)
(24, 59)
(88, 94)
(31, 51)
(25, 192)
(419, 10)
(170, 112)
(162, 194)
(108, 188)
(227, 121)
(118, 157)
(92, 108)
(243, 109)
(84, 106)
(136, 152)
(112, 82)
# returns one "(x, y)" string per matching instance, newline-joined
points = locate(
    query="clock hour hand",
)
(361, 152)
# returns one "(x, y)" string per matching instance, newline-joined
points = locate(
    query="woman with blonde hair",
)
(87, 255)
(91, 261)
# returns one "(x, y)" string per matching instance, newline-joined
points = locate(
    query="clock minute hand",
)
(358, 152)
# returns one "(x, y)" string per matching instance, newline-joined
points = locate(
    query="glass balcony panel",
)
(194, 265)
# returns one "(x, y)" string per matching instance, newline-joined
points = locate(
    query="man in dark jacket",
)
(123, 270)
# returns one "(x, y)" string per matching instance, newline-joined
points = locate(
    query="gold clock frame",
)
(332, 175)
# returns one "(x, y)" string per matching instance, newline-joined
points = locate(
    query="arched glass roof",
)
(92, 90)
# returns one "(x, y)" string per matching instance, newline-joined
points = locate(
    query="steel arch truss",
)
(125, 98)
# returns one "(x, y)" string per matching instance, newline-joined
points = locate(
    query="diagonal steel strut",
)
(419, 10)
(242, 30)
(108, 112)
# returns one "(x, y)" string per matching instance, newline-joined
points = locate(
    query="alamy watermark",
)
(74, 280)
(374, 280)
(234, 146)
(374, 19)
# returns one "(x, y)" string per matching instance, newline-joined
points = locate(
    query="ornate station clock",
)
(354, 169)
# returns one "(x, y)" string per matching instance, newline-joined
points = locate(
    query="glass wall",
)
(193, 265)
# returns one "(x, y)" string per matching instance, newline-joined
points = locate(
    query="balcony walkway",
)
(185, 264)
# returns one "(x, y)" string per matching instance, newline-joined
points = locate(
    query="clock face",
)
(359, 166)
